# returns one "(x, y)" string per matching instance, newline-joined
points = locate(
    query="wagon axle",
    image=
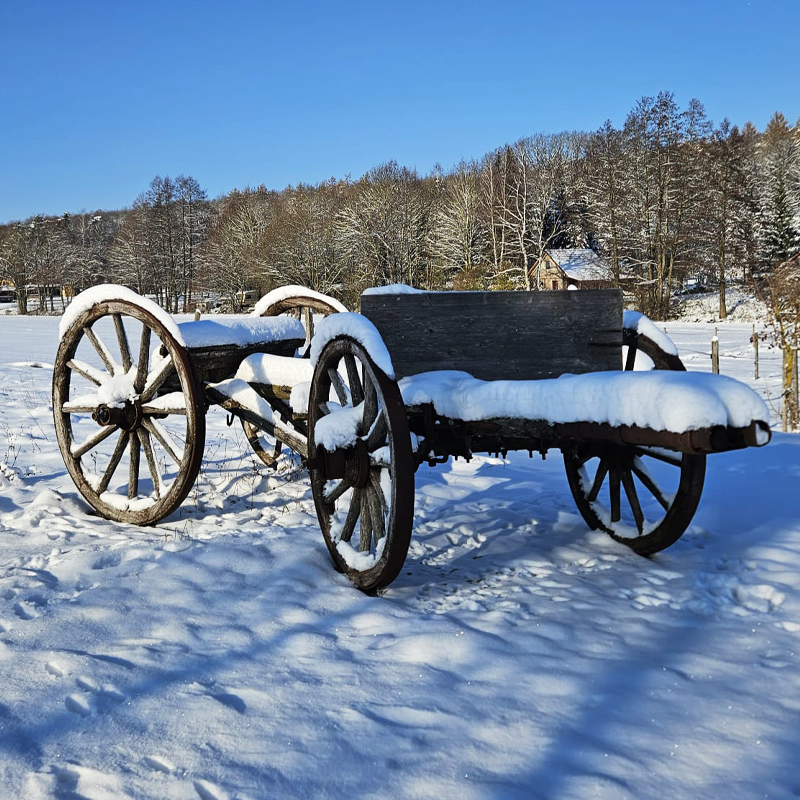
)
(351, 464)
(128, 417)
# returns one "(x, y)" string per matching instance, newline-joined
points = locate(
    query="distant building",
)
(572, 268)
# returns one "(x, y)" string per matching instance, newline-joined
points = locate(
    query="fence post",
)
(715, 353)
(785, 391)
(754, 340)
(795, 393)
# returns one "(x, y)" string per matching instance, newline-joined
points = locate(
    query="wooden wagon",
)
(418, 377)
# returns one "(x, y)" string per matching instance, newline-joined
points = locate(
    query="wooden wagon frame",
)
(355, 401)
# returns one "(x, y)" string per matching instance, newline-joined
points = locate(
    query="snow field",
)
(518, 655)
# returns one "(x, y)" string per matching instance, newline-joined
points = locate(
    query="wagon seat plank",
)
(218, 346)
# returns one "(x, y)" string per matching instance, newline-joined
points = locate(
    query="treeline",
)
(666, 196)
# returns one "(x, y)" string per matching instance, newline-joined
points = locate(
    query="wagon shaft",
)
(244, 402)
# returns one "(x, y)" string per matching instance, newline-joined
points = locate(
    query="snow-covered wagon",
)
(367, 398)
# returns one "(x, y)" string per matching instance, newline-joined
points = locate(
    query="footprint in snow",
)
(54, 669)
(159, 764)
(231, 701)
(760, 597)
(209, 791)
(25, 611)
(66, 776)
(78, 704)
(93, 699)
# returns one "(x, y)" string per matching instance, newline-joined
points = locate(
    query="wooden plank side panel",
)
(500, 335)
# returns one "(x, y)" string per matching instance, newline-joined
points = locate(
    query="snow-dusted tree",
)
(728, 209)
(457, 236)
(32, 257)
(88, 248)
(539, 192)
(48, 249)
(784, 297)
(662, 194)
(193, 218)
(130, 255)
(16, 262)
(233, 258)
(779, 186)
(605, 180)
(302, 243)
(159, 202)
(495, 184)
(383, 226)
(176, 216)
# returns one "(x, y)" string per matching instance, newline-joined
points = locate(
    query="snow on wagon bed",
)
(668, 401)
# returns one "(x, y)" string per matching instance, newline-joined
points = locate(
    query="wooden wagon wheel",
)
(362, 474)
(643, 497)
(265, 446)
(123, 387)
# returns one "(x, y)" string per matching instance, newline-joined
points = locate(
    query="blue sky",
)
(98, 97)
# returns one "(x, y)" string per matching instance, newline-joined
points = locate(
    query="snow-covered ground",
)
(518, 655)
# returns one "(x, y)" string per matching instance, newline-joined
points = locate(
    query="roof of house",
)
(580, 264)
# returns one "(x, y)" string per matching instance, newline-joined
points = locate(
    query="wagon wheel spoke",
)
(366, 523)
(650, 485)
(77, 408)
(162, 437)
(161, 410)
(630, 360)
(613, 488)
(93, 441)
(354, 379)
(116, 456)
(308, 324)
(339, 387)
(380, 459)
(375, 483)
(133, 466)
(633, 499)
(371, 408)
(102, 350)
(675, 459)
(87, 371)
(144, 360)
(122, 341)
(353, 514)
(378, 432)
(599, 478)
(155, 380)
(147, 446)
(337, 491)
(376, 514)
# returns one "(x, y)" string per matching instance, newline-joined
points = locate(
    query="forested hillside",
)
(667, 196)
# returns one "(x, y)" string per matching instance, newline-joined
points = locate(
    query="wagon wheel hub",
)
(350, 463)
(128, 417)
